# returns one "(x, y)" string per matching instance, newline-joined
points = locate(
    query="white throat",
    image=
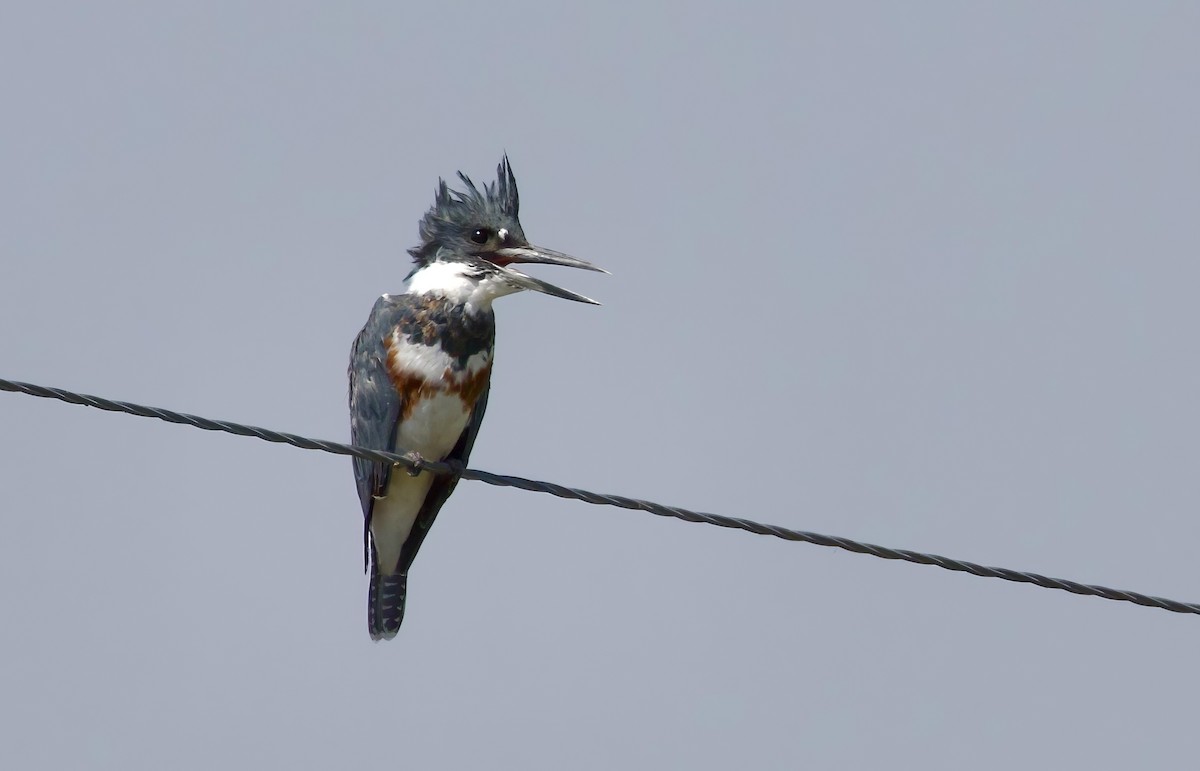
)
(460, 283)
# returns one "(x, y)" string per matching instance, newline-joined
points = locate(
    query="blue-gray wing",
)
(374, 403)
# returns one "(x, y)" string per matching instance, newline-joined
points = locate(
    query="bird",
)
(420, 372)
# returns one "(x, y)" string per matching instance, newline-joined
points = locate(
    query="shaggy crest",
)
(455, 215)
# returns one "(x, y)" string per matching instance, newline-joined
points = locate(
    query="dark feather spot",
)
(432, 320)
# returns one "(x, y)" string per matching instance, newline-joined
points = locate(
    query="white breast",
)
(430, 362)
(431, 428)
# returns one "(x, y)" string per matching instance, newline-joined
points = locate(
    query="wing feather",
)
(374, 403)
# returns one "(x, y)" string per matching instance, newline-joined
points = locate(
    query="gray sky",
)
(922, 276)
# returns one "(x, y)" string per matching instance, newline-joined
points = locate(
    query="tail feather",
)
(385, 604)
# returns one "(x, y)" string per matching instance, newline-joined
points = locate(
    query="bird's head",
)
(483, 224)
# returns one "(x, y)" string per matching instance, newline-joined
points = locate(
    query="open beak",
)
(519, 279)
(529, 253)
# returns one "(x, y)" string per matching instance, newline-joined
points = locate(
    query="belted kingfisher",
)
(421, 367)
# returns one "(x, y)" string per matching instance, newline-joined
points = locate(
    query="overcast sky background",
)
(924, 276)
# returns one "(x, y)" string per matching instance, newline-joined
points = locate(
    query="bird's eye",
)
(481, 235)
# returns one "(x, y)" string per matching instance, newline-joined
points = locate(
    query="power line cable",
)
(502, 480)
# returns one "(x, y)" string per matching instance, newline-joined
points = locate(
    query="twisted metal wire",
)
(502, 480)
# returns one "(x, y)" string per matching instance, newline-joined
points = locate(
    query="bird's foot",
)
(415, 464)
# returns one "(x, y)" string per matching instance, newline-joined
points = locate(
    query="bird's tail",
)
(385, 604)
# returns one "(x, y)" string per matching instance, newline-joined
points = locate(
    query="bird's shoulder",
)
(400, 323)
(414, 345)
